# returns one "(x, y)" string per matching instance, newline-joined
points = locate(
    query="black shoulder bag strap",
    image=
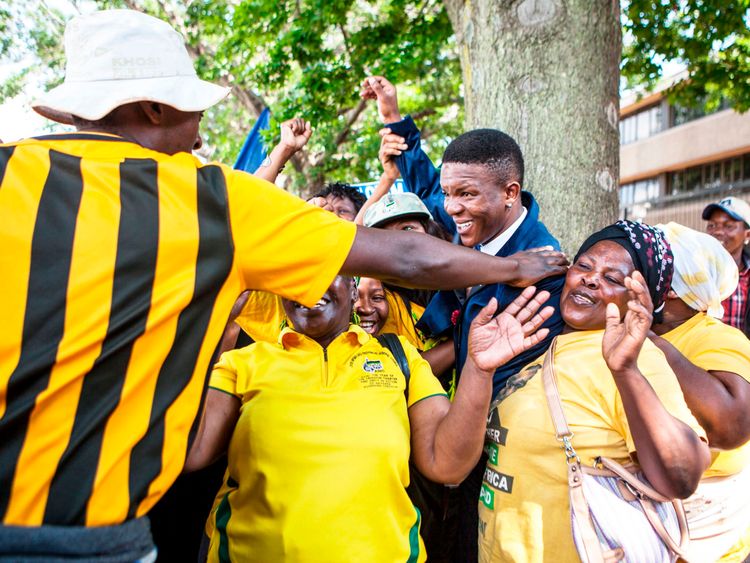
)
(392, 343)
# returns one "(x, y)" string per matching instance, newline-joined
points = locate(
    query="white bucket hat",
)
(116, 57)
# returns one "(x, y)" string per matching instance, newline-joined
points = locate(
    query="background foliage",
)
(307, 58)
(710, 37)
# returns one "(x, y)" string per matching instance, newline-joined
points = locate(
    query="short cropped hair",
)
(105, 122)
(341, 189)
(494, 149)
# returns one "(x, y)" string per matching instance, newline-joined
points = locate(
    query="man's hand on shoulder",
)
(536, 264)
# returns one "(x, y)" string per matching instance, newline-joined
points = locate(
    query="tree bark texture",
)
(546, 72)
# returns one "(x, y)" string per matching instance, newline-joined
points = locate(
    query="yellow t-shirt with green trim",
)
(524, 512)
(319, 459)
(713, 346)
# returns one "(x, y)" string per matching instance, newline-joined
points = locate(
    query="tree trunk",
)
(546, 72)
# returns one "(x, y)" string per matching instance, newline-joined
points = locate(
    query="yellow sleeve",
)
(722, 348)
(282, 244)
(656, 370)
(261, 316)
(422, 383)
(224, 374)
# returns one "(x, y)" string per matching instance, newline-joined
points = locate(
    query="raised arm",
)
(720, 400)
(294, 135)
(447, 438)
(417, 170)
(672, 456)
(418, 260)
(387, 178)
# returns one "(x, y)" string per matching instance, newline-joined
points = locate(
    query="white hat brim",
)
(92, 100)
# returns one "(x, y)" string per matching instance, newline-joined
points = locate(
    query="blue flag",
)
(254, 150)
(366, 188)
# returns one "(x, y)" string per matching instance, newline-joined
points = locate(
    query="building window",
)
(639, 192)
(684, 114)
(641, 125)
(709, 175)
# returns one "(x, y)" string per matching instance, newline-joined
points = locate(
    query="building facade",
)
(676, 160)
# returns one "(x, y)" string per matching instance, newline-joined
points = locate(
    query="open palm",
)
(494, 340)
(623, 338)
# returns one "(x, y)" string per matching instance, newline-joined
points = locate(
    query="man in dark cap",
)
(729, 223)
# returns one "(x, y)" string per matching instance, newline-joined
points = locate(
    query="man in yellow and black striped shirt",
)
(121, 258)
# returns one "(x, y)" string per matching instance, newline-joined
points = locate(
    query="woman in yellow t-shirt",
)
(619, 396)
(319, 427)
(712, 364)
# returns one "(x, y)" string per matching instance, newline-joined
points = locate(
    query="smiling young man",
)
(729, 223)
(478, 196)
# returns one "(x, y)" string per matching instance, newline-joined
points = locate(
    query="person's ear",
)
(512, 192)
(154, 112)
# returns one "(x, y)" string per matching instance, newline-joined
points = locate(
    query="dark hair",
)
(342, 189)
(105, 122)
(435, 229)
(494, 149)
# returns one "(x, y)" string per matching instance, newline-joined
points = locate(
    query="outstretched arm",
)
(418, 260)
(447, 438)
(671, 455)
(294, 135)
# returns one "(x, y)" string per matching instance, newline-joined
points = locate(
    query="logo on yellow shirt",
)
(378, 370)
(371, 366)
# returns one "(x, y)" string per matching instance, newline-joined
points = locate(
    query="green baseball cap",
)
(395, 206)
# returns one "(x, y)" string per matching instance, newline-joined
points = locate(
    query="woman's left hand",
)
(623, 338)
(494, 340)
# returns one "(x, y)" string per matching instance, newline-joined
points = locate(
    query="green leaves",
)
(307, 58)
(711, 38)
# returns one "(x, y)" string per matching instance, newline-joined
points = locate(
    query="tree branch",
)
(344, 133)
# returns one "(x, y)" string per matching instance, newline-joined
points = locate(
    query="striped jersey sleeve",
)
(119, 268)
